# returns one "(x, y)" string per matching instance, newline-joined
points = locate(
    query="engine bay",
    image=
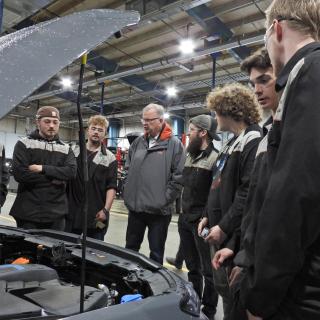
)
(40, 277)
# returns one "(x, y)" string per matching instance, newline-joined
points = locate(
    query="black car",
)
(40, 279)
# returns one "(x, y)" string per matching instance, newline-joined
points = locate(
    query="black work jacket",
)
(284, 282)
(228, 193)
(102, 172)
(197, 179)
(42, 196)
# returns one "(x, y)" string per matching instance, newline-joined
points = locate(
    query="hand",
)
(203, 222)
(235, 272)
(221, 256)
(35, 168)
(252, 317)
(100, 216)
(216, 235)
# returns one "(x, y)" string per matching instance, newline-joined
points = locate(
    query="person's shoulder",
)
(213, 154)
(175, 140)
(313, 57)
(136, 142)
(27, 141)
(109, 155)
(75, 148)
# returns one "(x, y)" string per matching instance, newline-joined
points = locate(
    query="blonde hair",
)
(98, 120)
(235, 101)
(301, 15)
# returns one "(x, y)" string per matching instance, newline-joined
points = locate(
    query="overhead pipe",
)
(157, 65)
(184, 87)
(138, 113)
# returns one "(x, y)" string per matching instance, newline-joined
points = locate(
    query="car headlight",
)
(190, 302)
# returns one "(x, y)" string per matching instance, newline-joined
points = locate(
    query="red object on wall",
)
(119, 157)
(184, 139)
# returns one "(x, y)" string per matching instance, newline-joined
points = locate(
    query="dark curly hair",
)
(235, 101)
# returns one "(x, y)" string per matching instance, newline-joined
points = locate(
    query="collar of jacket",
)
(36, 135)
(284, 74)
(165, 133)
(267, 125)
(253, 127)
(102, 149)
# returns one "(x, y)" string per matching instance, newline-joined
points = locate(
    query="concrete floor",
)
(116, 235)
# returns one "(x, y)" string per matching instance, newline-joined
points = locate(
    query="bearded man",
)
(197, 178)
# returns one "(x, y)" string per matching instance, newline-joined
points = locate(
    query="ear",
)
(278, 29)
(203, 133)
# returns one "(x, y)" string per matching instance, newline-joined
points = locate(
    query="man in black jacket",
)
(4, 176)
(197, 178)
(284, 282)
(237, 111)
(262, 80)
(102, 170)
(42, 165)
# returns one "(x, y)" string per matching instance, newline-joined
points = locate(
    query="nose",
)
(257, 89)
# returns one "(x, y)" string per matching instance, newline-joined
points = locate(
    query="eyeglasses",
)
(100, 130)
(148, 120)
(265, 38)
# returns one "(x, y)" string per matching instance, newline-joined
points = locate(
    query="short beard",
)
(96, 143)
(194, 147)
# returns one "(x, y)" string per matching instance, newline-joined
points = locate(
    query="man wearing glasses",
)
(102, 184)
(155, 163)
(284, 281)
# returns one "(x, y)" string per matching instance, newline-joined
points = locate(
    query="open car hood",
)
(31, 56)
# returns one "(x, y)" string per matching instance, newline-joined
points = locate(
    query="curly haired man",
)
(237, 111)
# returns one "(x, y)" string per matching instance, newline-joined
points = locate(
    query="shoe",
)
(173, 262)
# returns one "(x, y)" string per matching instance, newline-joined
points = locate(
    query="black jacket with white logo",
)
(197, 178)
(284, 282)
(230, 184)
(42, 196)
(256, 194)
(102, 171)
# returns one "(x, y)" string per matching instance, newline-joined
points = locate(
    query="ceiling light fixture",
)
(166, 115)
(187, 46)
(66, 82)
(171, 91)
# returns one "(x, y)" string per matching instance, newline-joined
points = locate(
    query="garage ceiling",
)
(136, 67)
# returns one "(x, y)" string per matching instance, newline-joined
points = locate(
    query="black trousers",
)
(157, 232)
(180, 255)
(197, 257)
(58, 224)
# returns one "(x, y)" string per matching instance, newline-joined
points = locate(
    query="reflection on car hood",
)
(31, 56)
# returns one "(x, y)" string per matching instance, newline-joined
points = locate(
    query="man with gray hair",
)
(155, 163)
